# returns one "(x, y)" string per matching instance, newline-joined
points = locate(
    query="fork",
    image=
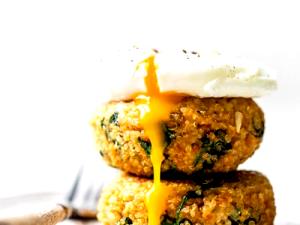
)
(79, 203)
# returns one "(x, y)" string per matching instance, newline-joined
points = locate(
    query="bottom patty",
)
(239, 197)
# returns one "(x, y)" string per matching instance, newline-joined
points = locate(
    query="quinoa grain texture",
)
(201, 135)
(238, 197)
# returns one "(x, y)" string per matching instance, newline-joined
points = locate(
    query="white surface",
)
(192, 72)
(51, 80)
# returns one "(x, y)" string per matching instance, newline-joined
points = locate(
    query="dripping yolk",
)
(159, 108)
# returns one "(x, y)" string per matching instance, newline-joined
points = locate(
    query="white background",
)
(51, 80)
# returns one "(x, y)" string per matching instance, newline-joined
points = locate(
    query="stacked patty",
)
(204, 139)
(238, 197)
(201, 135)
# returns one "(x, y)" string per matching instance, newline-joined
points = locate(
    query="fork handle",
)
(50, 216)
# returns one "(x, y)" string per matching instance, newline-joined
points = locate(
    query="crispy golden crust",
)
(202, 134)
(239, 197)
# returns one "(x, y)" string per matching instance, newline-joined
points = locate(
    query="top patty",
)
(201, 135)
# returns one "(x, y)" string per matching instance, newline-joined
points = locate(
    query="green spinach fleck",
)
(168, 133)
(235, 215)
(234, 221)
(215, 149)
(116, 143)
(145, 144)
(189, 195)
(168, 220)
(124, 221)
(106, 132)
(102, 123)
(114, 118)
(128, 220)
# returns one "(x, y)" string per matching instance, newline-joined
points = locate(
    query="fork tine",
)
(97, 190)
(88, 195)
(74, 189)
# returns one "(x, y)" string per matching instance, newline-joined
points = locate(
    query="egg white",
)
(202, 74)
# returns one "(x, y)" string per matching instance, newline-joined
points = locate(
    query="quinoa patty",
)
(239, 197)
(201, 134)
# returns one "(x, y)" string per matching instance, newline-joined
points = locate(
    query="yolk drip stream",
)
(159, 107)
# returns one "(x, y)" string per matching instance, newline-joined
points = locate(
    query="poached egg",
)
(202, 74)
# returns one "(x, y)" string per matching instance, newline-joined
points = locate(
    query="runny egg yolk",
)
(159, 108)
